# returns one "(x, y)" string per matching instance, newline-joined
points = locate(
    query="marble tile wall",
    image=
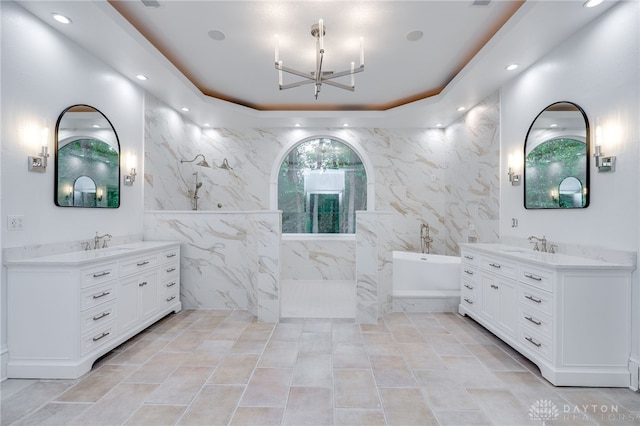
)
(473, 182)
(447, 179)
(228, 260)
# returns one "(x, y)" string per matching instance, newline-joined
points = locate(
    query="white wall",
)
(598, 69)
(42, 74)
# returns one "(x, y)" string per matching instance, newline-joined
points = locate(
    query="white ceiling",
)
(460, 60)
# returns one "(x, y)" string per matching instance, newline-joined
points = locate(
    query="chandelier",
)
(318, 77)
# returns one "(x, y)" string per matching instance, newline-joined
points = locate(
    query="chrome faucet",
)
(542, 241)
(425, 239)
(97, 238)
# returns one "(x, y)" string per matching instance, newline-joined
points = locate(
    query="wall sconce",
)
(99, 194)
(131, 166)
(513, 177)
(604, 164)
(38, 163)
(554, 194)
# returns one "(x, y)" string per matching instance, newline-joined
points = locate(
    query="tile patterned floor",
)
(224, 367)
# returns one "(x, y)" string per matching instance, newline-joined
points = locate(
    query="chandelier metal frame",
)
(318, 77)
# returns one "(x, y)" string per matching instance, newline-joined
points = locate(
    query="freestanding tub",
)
(425, 282)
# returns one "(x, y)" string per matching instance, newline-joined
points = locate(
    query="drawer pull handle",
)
(532, 341)
(468, 301)
(533, 299)
(466, 256)
(101, 274)
(103, 294)
(169, 299)
(495, 287)
(102, 336)
(533, 320)
(142, 284)
(495, 265)
(466, 271)
(171, 270)
(146, 262)
(171, 255)
(533, 277)
(102, 315)
(470, 287)
(171, 284)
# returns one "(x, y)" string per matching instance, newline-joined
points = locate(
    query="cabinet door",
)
(490, 297)
(148, 294)
(137, 299)
(128, 304)
(508, 306)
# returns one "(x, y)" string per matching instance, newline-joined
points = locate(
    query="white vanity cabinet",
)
(568, 315)
(67, 310)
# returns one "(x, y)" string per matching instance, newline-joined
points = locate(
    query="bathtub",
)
(425, 282)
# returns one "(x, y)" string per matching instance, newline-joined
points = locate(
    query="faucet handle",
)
(552, 248)
(535, 246)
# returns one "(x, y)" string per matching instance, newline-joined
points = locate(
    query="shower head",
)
(225, 165)
(202, 163)
(198, 185)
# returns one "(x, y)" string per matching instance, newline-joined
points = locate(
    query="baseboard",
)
(634, 369)
(4, 358)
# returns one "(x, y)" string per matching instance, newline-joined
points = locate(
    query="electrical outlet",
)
(14, 222)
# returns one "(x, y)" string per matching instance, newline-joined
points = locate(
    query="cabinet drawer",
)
(536, 320)
(170, 270)
(535, 342)
(97, 316)
(470, 258)
(469, 301)
(170, 255)
(536, 277)
(499, 266)
(469, 287)
(469, 273)
(138, 264)
(531, 297)
(97, 274)
(97, 295)
(170, 297)
(169, 284)
(96, 338)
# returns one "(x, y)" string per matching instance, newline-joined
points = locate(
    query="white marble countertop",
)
(91, 256)
(555, 260)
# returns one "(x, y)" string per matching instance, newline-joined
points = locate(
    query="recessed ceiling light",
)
(511, 67)
(207, 125)
(61, 18)
(297, 125)
(96, 126)
(216, 35)
(438, 124)
(592, 3)
(345, 124)
(414, 35)
(553, 125)
(460, 109)
(142, 77)
(185, 109)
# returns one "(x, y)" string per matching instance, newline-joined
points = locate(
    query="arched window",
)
(321, 184)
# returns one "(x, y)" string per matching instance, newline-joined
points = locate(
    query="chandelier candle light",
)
(318, 76)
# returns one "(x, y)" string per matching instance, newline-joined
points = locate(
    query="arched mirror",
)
(556, 171)
(87, 159)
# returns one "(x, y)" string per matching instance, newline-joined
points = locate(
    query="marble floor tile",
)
(268, 387)
(313, 370)
(202, 368)
(356, 389)
(309, 406)
(235, 369)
